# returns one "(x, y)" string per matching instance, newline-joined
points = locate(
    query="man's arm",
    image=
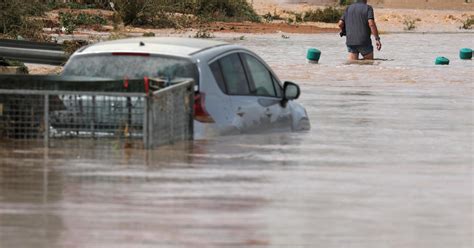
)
(341, 25)
(375, 32)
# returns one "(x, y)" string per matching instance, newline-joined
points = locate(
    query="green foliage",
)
(149, 34)
(88, 19)
(223, 10)
(295, 17)
(268, 17)
(329, 15)
(71, 21)
(19, 18)
(103, 4)
(165, 13)
(345, 2)
(298, 17)
(67, 20)
(22, 67)
(468, 23)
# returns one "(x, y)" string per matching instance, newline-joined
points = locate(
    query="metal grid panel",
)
(21, 116)
(163, 117)
(171, 114)
(24, 116)
(86, 115)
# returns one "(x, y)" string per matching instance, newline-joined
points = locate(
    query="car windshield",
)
(130, 65)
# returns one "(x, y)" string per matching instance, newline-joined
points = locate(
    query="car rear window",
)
(132, 66)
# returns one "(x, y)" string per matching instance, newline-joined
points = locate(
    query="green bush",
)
(89, 19)
(165, 13)
(94, 4)
(19, 18)
(468, 23)
(268, 17)
(67, 20)
(329, 15)
(224, 10)
(71, 21)
(345, 2)
(149, 34)
(298, 17)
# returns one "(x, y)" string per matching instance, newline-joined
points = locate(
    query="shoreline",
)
(389, 20)
(38, 69)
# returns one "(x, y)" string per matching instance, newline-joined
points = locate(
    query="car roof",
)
(182, 47)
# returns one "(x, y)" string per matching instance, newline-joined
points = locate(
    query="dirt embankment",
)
(391, 15)
(396, 4)
(466, 5)
(388, 19)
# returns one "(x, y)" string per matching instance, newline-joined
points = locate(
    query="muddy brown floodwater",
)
(388, 163)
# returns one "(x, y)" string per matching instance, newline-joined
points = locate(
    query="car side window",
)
(234, 75)
(278, 88)
(217, 72)
(260, 77)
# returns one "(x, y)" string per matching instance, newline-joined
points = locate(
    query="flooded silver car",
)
(236, 91)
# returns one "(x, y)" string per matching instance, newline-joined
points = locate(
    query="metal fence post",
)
(46, 120)
(191, 115)
(173, 112)
(146, 125)
(93, 121)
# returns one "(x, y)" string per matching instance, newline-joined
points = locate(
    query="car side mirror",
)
(291, 91)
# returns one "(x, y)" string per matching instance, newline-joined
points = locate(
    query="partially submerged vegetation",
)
(468, 23)
(410, 24)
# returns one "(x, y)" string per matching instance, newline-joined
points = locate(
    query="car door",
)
(247, 114)
(267, 92)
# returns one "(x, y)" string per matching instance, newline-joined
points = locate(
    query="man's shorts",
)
(364, 50)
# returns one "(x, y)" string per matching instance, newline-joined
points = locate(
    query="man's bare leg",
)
(353, 56)
(369, 56)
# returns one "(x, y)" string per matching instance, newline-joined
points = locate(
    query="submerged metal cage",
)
(55, 108)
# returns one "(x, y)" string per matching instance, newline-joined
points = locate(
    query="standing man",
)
(358, 23)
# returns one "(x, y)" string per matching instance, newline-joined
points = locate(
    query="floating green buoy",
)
(442, 61)
(313, 55)
(465, 53)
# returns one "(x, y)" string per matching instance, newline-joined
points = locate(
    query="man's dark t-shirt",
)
(356, 21)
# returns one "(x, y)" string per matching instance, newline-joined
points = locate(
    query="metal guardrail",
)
(33, 52)
(139, 110)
